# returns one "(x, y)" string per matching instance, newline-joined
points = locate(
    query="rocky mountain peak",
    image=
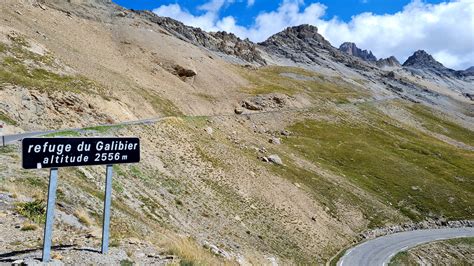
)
(470, 69)
(421, 59)
(303, 31)
(352, 49)
(297, 37)
(388, 62)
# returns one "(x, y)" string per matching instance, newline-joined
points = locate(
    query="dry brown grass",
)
(83, 217)
(29, 227)
(191, 253)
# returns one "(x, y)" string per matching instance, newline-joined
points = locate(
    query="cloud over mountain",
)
(445, 30)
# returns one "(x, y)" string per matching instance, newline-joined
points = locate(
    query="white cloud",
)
(250, 3)
(445, 30)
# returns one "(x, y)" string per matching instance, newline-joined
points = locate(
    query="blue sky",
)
(444, 29)
(245, 14)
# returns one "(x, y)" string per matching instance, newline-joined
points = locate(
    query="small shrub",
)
(34, 210)
(83, 217)
(126, 263)
(29, 227)
(191, 253)
(115, 243)
(178, 202)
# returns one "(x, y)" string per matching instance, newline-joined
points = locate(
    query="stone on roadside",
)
(238, 110)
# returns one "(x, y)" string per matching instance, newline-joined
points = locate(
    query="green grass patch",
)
(206, 97)
(7, 119)
(3, 47)
(271, 79)
(335, 260)
(435, 123)
(404, 258)
(159, 103)
(117, 187)
(34, 210)
(137, 173)
(401, 258)
(7, 149)
(24, 68)
(19, 40)
(418, 174)
(104, 129)
(67, 133)
(15, 72)
(469, 241)
(126, 263)
(34, 182)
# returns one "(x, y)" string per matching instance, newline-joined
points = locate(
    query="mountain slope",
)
(356, 152)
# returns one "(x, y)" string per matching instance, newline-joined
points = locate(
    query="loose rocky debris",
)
(225, 44)
(432, 224)
(276, 141)
(270, 101)
(470, 96)
(182, 72)
(217, 251)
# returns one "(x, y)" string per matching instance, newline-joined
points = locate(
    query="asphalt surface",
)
(10, 139)
(380, 251)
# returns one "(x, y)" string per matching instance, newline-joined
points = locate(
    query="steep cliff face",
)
(351, 48)
(301, 44)
(389, 62)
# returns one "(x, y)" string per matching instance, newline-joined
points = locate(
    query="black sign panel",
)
(64, 152)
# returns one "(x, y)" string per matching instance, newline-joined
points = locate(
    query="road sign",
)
(53, 153)
(63, 152)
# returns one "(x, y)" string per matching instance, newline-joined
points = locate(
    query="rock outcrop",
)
(421, 63)
(351, 48)
(305, 46)
(422, 60)
(301, 44)
(469, 71)
(389, 62)
(222, 42)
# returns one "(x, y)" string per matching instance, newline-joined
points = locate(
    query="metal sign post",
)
(48, 228)
(107, 203)
(1, 133)
(53, 153)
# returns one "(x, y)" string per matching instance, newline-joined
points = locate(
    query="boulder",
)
(275, 159)
(184, 72)
(275, 141)
(238, 111)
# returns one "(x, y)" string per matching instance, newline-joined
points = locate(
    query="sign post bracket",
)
(48, 228)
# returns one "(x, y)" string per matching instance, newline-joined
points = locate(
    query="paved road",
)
(9, 139)
(379, 251)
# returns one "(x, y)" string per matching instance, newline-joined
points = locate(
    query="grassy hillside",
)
(419, 175)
